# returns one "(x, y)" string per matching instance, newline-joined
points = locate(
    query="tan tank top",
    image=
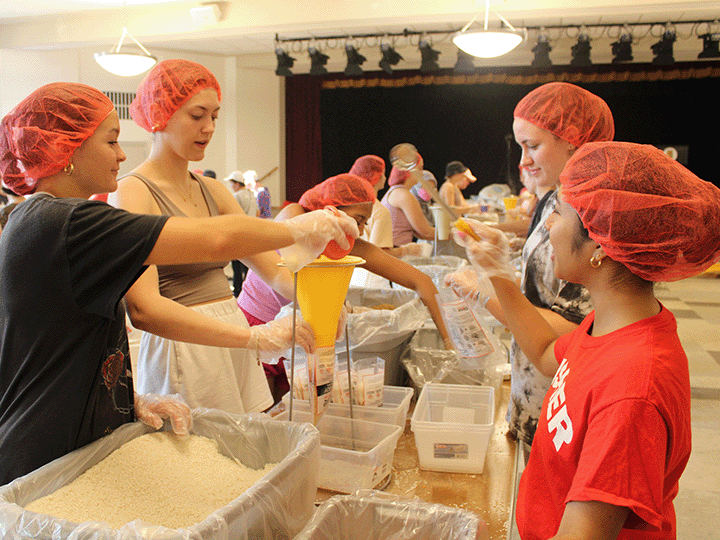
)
(189, 284)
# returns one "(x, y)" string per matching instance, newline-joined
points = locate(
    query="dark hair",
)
(453, 168)
(209, 173)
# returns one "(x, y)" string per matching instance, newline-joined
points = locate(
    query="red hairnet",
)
(646, 210)
(398, 176)
(166, 88)
(341, 190)
(369, 167)
(569, 112)
(40, 135)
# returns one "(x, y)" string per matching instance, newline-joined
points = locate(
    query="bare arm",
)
(397, 271)
(591, 520)
(406, 201)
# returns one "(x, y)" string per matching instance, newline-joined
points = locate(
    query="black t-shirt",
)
(65, 376)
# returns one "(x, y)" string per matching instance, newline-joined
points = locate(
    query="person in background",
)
(65, 376)
(457, 178)
(355, 196)
(5, 214)
(210, 174)
(614, 434)
(262, 194)
(550, 123)
(521, 216)
(378, 229)
(424, 197)
(246, 200)
(408, 220)
(188, 315)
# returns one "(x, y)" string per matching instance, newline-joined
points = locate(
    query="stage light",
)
(285, 62)
(429, 56)
(581, 50)
(663, 49)
(354, 61)
(710, 45)
(390, 57)
(622, 48)
(464, 63)
(542, 51)
(317, 61)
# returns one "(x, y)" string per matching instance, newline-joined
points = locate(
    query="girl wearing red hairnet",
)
(378, 229)
(65, 264)
(614, 432)
(408, 220)
(354, 196)
(550, 123)
(188, 313)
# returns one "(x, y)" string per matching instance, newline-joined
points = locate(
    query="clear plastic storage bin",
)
(394, 409)
(354, 454)
(452, 425)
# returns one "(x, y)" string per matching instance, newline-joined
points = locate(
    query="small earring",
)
(595, 262)
(68, 169)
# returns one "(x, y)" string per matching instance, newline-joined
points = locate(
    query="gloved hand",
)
(312, 231)
(491, 255)
(271, 340)
(412, 249)
(466, 283)
(151, 409)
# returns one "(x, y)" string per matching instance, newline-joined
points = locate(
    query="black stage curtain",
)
(469, 117)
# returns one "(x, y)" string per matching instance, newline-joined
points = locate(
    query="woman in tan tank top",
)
(188, 313)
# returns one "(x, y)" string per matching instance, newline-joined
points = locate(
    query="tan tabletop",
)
(489, 495)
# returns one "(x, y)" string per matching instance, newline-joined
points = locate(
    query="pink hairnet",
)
(569, 112)
(166, 88)
(40, 135)
(647, 211)
(369, 167)
(341, 190)
(398, 176)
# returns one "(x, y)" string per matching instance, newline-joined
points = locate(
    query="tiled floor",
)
(696, 305)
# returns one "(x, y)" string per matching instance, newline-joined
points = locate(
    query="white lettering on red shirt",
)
(557, 415)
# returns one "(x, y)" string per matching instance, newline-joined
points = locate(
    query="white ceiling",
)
(249, 26)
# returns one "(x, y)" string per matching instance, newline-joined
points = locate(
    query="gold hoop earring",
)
(595, 262)
(68, 169)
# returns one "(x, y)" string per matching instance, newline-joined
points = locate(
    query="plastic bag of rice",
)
(158, 478)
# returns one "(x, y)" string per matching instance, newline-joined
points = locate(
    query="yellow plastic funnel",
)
(321, 289)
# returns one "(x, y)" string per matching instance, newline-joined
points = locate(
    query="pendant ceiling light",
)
(488, 43)
(126, 64)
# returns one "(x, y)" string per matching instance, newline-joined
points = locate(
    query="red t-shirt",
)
(614, 427)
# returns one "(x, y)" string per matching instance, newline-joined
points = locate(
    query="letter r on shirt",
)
(561, 424)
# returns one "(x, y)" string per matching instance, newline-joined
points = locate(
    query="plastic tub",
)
(354, 454)
(278, 506)
(370, 515)
(396, 403)
(452, 425)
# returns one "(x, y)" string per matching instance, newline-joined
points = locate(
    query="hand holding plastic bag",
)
(312, 231)
(490, 255)
(476, 290)
(152, 409)
(274, 338)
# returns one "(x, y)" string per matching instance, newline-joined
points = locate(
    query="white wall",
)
(248, 134)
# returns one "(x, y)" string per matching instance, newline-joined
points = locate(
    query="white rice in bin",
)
(159, 478)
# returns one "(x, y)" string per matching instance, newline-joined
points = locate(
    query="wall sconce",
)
(542, 51)
(429, 56)
(390, 57)
(354, 61)
(663, 49)
(317, 61)
(581, 50)
(284, 62)
(622, 48)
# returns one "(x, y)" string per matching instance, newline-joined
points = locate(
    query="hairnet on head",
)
(341, 190)
(568, 112)
(646, 210)
(398, 176)
(39, 136)
(168, 86)
(369, 167)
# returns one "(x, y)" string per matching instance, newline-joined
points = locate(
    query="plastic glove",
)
(491, 255)
(412, 249)
(151, 409)
(312, 231)
(274, 338)
(466, 283)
